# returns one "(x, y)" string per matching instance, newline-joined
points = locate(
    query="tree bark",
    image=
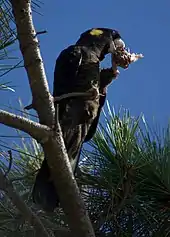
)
(36, 130)
(54, 147)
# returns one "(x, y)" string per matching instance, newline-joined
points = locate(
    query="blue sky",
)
(144, 26)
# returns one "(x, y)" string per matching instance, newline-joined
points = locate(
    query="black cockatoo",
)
(77, 69)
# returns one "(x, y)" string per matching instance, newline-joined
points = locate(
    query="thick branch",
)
(67, 188)
(36, 130)
(29, 46)
(54, 148)
(8, 188)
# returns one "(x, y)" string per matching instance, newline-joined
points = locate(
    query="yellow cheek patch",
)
(96, 32)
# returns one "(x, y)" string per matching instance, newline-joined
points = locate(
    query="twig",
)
(40, 32)
(28, 107)
(10, 163)
(92, 93)
(20, 110)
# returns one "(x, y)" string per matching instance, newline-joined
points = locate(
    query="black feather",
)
(76, 70)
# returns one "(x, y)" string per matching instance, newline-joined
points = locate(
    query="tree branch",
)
(54, 147)
(8, 188)
(90, 94)
(67, 188)
(33, 62)
(36, 130)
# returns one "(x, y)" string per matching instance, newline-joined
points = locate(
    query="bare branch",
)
(41, 32)
(36, 130)
(33, 62)
(54, 147)
(66, 187)
(8, 188)
(28, 107)
(90, 94)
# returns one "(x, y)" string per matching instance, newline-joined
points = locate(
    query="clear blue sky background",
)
(144, 26)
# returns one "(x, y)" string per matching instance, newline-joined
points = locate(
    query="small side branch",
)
(36, 130)
(93, 93)
(90, 94)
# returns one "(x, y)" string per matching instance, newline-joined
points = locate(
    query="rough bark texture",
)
(36, 130)
(33, 62)
(68, 192)
(53, 147)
